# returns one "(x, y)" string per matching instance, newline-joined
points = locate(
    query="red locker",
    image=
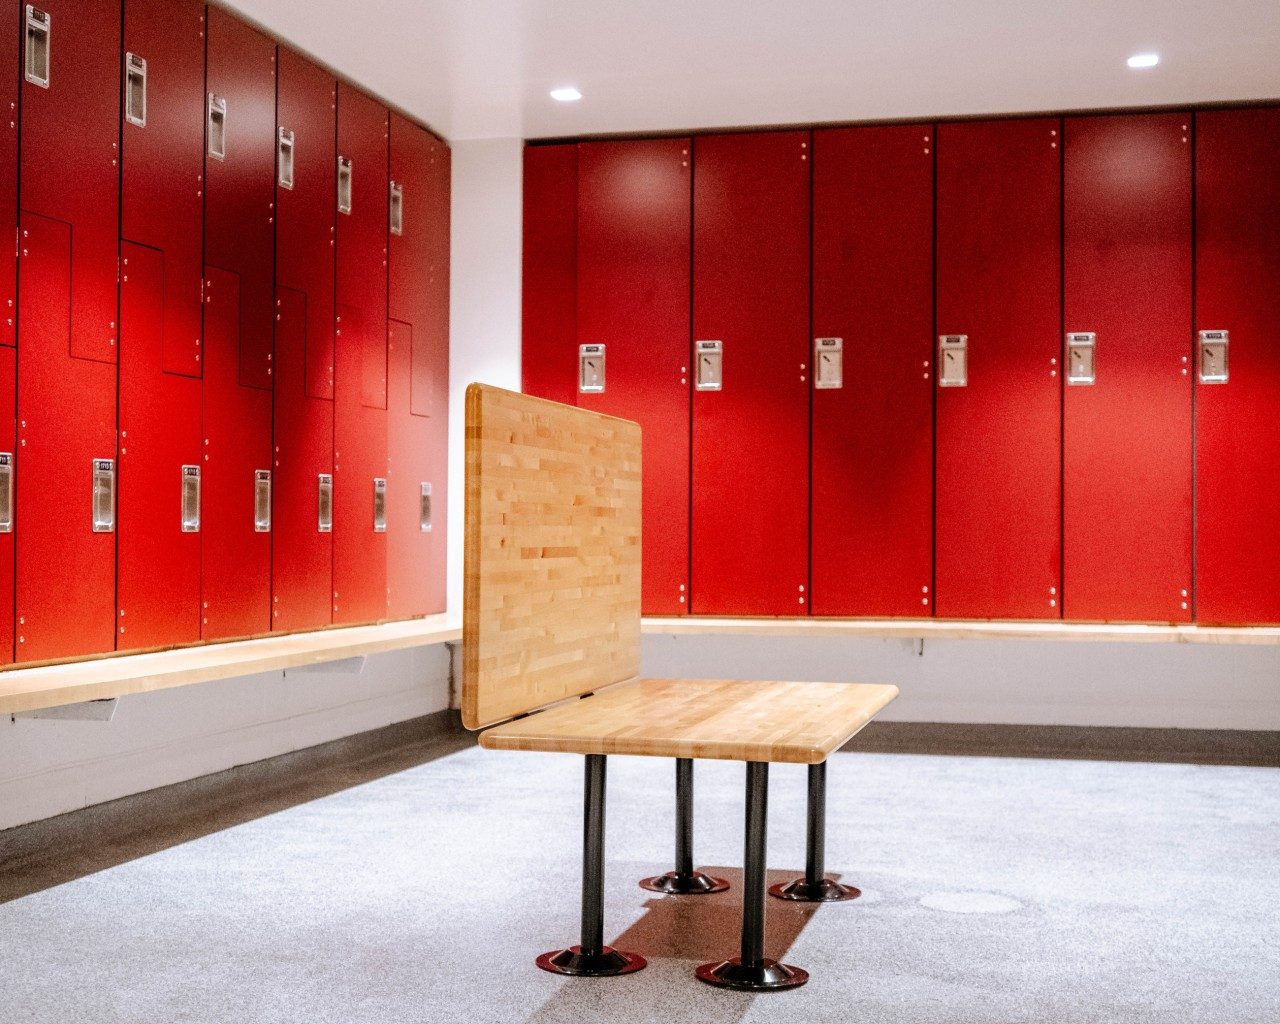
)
(1127, 264)
(236, 478)
(70, 124)
(161, 196)
(158, 588)
(8, 426)
(65, 522)
(550, 268)
(360, 363)
(998, 437)
(302, 541)
(873, 396)
(633, 280)
(418, 371)
(240, 130)
(750, 525)
(1238, 291)
(10, 33)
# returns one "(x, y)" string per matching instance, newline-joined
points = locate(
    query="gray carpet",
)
(997, 890)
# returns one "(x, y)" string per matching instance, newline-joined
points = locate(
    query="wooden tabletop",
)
(798, 723)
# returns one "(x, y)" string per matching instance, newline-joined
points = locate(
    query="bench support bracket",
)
(815, 887)
(684, 880)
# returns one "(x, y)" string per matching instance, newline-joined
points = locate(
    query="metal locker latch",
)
(344, 184)
(284, 158)
(39, 33)
(379, 504)
(1081, 346)
(424, 508)
(1213, 357)
(953, 358)
(6, 492)
(104, 495)
(590, 369)
(135, 89)
(324, 503)
(217, 127)
(397, 208)
(710, 365)
(262, 501)
(828, 359)
(190, 499)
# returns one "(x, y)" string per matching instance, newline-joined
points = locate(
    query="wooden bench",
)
(551, 661)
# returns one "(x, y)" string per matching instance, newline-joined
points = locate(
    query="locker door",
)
(65, 522)
(998, 436)
(302, 548)
(1238, 291)
(750, 532)
(418, 371)
(634, 221)
(158, 590)
(873, 401)
(8, 401)
(10, 33)
(1127, 436)
(360, 363)
(240, 128)
(549, 306)
(70, 124)
(236, 515)
(162, 204)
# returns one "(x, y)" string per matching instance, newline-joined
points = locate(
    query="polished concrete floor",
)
(419, 889)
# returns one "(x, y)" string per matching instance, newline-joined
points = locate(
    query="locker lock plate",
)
(1213, 357)
(590, 369)
(324, 503)
(1081, 347)
(424, 508)
(190, 499)
(379, 504)
(262, 501)
(828, 360)
(953, 359)
(709, 364)
(6, 492)
(39, 32)
(104, 495)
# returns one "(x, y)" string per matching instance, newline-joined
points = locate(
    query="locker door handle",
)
(190, 499)
(39, 37)
(708, 365)
(953, 361)
(424, 508)
(1081, 349)
(217, 127)
(6, 492)
(284, 158)
(397, 208)
(590, 369)
(135, 89)
(104, 495)
(379, 504)
(262, 501)
(1213, 357)
(344, 184)
(828, 358)
(324, 503)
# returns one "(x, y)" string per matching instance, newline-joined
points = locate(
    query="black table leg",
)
(684, 880)
(814, 887)
(592, 958)
(752, 970)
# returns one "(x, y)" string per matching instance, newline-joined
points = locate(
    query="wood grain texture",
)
(51, 686)
(551, 578)
(798, 723)
(959, 629)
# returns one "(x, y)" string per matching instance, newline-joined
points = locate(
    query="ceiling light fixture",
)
(1144, 60)
(565, 94)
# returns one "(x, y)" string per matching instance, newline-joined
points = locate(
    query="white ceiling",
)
(482, 68)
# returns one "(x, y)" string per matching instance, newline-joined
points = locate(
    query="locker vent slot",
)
(190, 499)
(217, 127)
(135, 89)
(39, 31)
(104, 495)
(6, 492)
(379, 504)
(710, 364)
(953, 358)
(828, 358)
(1081, 349)
(424, 508)
(397, 208)
(324, 503)
(344, 184)
(262, 501)
(284, 154)
(1213, 357)
(590, 369)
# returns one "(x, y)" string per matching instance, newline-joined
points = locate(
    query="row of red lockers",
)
(226, 338)
(1145, 488)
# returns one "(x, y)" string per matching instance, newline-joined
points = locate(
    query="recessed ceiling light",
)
(566, 94)
(1144, 60)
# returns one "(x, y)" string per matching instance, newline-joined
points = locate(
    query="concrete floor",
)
(997, 890)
